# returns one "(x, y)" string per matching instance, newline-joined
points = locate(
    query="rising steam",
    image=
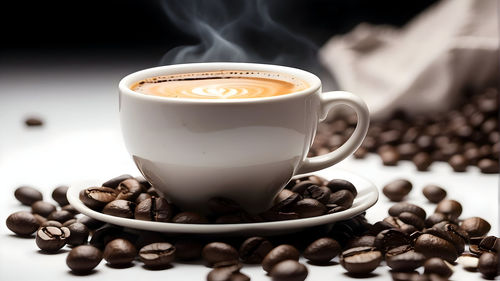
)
(237, 31)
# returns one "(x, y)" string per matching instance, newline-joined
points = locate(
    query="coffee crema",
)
(221, 85)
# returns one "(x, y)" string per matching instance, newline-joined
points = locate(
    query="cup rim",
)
(127, 81)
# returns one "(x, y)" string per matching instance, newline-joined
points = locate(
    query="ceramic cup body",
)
(247, 150)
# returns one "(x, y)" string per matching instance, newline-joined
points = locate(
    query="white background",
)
(81, 140)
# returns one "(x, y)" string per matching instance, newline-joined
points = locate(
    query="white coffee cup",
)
(247, 150)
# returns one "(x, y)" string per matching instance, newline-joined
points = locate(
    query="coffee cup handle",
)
(328, 101)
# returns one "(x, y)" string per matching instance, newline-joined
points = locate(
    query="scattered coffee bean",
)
(362, 241)
(435, 218)
(289, 270)
(69, 222)
(254, 249)
(28, 195)
(279, 254)
(40, 219)
(391, 238)
(219, 252)
(189, 217)
(339, 184)
(129, 189)
(70, 209)
(61, 216)
(404, 258)
(91, 223)
(434, 246)
(458, 163)
(227, 273)
(119, 208)
(322, 250)
(412, 219)
(188, 249)
(52, 223)
(22, 223)
(284, 200)
(360, 260)
(475, 226)
(434, 193)
(83, 259)
(157, 255)
(389, 155)
(154, 209)
(51, 238)
(397, 190)
(451, 208)
(490, 243)
(97, 197)
(438, 266)
(114, 182)
(59, 195)
(488, 166)
(469, 262)
(320, 193)
(33, 122)
(119, 253)
(343, 198)
(104, 234)
(79, 234)
(309, 207)
(398, 208)
(42, 208)
(422, 161)
(488, 265)
(301, 186)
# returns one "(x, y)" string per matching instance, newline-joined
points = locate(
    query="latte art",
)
(221, 85)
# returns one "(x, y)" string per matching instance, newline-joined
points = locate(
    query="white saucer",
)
(367, 197)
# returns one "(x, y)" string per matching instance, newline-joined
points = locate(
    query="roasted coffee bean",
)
(61, 216)
(397, 190)
(152, 191)
(28, 195)
(79, 234)
(40, 219)
(148, 237)
(22, 223)
(190, 218)
(300, 187)
(51, 238)
(362, 241)
(104, 234)
(475, 226)
(280, 216)
(83, 259)
(490, 243)
(391, 238)
(289, 270)
(360, 260)
(70, 209)
(91, 223)
(279, 254)
(379, 226)
(143, 196)
(434, 193)
(412, 219)
(404, 258)
(389, 155)
(343, 198)
(437, 266)
(154, 209)
(42, 208)
(114, 182)
(119, 208)
(284, 200)
(59, 195)
(129, 189)
(398, 208)
(97, 197)
(33, 122)
(399, 224)
(434, 246)
(188, 249)
(119, 252)
(309, 207)
(360, 153)
(451, 208)
(254, 249)
(219, 252)
(451, 233)
(223, 206)
(468, 261)
(458, 163)
(52, 223)
(435, 218)
(488, 265)
(322, 250)
(422, 161)
(227, 273)
(339, 184)
(69, 222)
(407, 150)
(157, 255)
(488, 166)
(320, 193)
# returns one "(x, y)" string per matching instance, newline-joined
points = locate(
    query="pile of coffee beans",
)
(406, 240)
(128, 197)
(466, 136)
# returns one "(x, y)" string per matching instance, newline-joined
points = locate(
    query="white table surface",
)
(81, 140)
